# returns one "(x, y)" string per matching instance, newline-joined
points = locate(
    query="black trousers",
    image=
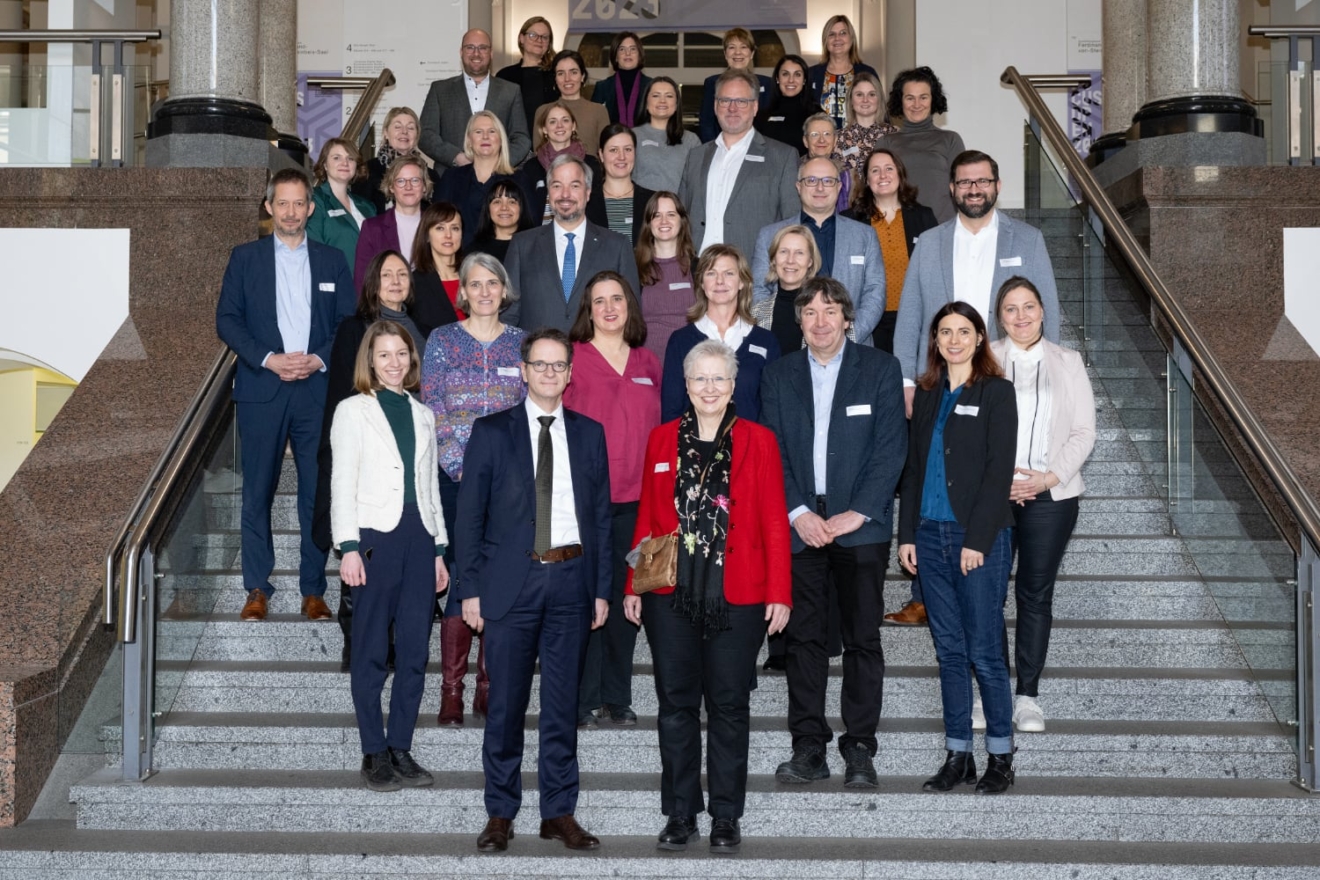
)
(722, 670)
(883, 335)
(607, 677)
(1041, 535)
(857, 576)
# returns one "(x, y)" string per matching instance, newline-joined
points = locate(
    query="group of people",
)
(546, 354)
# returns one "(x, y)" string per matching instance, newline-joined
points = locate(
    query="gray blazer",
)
(929, 285)
(764, 192)
(447, 110)
(534, 271)
(858, 266)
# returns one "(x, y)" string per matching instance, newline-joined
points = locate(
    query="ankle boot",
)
(345, 617)
(481, 699)
(998, 776)
(455, 643)
(959, 769)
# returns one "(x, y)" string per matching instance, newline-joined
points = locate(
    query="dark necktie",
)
(545, 485)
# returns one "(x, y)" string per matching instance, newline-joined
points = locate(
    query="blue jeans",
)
(967, 623)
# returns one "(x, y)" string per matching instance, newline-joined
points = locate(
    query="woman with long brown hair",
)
(665, 257)
(533, 73)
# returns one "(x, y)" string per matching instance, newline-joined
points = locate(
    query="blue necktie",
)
(570, 266)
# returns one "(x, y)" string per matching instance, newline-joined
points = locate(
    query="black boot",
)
(345, 624)
(959, 769)
(998, 776)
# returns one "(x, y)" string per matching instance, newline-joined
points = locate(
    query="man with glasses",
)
(451, 102)
(967, 259)
(849, 250)
(740, 181)
(533, 573)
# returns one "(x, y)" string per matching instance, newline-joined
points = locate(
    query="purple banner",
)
(685, 15)
(320, 112)
(1085, 115)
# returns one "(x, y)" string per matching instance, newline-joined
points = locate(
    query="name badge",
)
(506, 371)
(763, 90)
(627, 219)
(966, 410)
(851, 151)
(756, 349)
(1011, 261)
(751, 158)
(643, 380)
(858, 260)
(681, 285)
(649, 143)
(859, 410)
(327, 286)
(336, 212)
(661, 467)
(540, 184)
(774, 119)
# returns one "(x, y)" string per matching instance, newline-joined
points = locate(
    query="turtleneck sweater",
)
(928, 153)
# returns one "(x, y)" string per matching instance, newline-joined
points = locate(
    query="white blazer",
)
(1072, 414)
(366, 479)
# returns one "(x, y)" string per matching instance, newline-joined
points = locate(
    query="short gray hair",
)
(493, 266)
(564, 159)
(711, 348)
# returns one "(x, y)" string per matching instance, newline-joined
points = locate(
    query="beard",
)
(978, 210)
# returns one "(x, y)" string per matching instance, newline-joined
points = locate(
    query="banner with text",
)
(685, 15)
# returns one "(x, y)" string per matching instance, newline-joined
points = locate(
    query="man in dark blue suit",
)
(281, 301)
(837, 409)
(532, 539)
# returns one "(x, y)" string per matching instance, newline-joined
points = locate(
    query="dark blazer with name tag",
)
(533, 269)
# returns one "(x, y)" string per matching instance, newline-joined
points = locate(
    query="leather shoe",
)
(911, 614)
(724, 836)
(496, 835)
(807, 765)
(410, 773)
(588, 721)
(774, 663)
(255, 606)
(379, 772)
(859, 769)
(959, 769)
(998, 775)
(620, 716)
(567, 829)
(314, 608)
(679, 832)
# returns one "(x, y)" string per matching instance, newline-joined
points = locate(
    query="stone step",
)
(1042, 808)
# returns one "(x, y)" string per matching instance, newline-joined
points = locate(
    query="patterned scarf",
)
(547, 153)
(701, 493)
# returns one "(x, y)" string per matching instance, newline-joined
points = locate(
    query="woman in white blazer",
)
(385, 518)
(1056, 432)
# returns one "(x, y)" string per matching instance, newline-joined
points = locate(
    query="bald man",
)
(451, 102)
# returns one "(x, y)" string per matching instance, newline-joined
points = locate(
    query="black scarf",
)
(701, 493)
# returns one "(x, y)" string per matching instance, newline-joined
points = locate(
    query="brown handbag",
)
(657, 563)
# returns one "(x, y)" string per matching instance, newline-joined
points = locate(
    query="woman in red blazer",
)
(707, 474)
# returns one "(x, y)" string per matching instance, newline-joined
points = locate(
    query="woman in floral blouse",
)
(866, 123)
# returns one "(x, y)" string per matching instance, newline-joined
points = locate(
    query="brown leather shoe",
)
(912, 614)
(314, 608)
(567, 829)
(255, 606)
(496, 835)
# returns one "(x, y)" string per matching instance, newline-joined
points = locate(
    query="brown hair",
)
(543, 112)
(647, 271)
(618, 41)
(318, 171)
(1019, 282)
(423, 261)
(827, 289)
(864, 201)
(634, 329)
(364, 373)
(984, 364)
(368, 307)
(704, 265)
(547, 58)
(392, 174)
(742, 35)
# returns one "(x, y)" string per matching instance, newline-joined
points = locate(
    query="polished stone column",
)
(278, 84)
(1124, 35)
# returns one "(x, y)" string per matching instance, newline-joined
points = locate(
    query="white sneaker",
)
(1027, 716)
(978, 715)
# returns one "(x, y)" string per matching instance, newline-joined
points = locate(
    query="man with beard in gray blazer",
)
(451, 102)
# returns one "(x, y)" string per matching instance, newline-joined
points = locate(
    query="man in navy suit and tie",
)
(280, 303)
(837, 410)
(533, 573)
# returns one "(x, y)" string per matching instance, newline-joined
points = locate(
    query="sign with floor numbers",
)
(685, 15)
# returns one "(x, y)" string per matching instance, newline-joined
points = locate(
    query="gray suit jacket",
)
(447, 110)
(929, 285)
(764, 192)
(858, 266)
(534, 270)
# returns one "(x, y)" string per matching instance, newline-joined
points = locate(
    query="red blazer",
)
(757, 553)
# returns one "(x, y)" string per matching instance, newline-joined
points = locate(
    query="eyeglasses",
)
(820, 135)
(717, 382)
(408, 182)
(827, 182)
(473, 49)
(537, 38)
(979, 183)
(540, 366)
(741, 103)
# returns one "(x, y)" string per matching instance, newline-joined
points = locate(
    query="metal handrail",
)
(1279, 32)
(1285, 480)
(361, 115)
(139, 525)
(78, 36)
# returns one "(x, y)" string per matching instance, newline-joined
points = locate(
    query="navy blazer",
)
(759, 348)
(867, 443)
(245, 318)
(496, 522)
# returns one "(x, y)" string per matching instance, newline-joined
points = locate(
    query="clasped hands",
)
(817, 532)
(293, 365)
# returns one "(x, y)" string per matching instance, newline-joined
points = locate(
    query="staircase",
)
(1170, 667)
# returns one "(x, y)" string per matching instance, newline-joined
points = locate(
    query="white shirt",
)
(476, 91)
(974, 265)
(733, 337)
(563, 513)
(561, 245)
(1031, 384)
(724, 167)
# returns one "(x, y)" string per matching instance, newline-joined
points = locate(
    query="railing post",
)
(139, 659)
(1308, 665)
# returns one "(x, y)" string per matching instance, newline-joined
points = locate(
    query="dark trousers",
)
(400, 590)
(550, 619)
(857, 576)
(883, 335)
(607, 675)
(722, 670)
(449, 508)
(1041, 535)
(292, 416)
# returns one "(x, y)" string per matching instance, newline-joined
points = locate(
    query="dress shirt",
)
(563, 513)
(723, 173)
(477, 91)
(824, 235)
(293, 296)
(824, 378)
(974, 264)
(561, 245)
(935, 504)
(733, 337)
